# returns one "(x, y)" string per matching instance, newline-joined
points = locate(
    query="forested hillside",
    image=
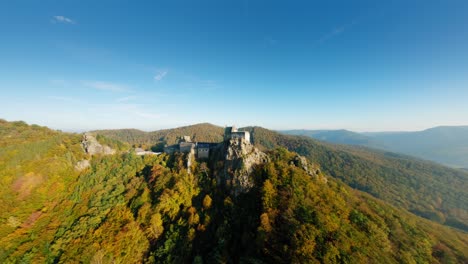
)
(445, 144)
(341, 136)
(157, 139)
(424, 188)
(427, 189)
(36, 166)
(130, 209)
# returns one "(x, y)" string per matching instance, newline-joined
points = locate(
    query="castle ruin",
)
(233, 133)
(202, 149)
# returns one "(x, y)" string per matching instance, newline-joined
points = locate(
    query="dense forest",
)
(424, 188)
(427, 189)
(126, 208)
(157, 139)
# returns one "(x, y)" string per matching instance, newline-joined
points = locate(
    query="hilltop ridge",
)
(447, 145)
(274, 206)
(156, 140)
(404, 181)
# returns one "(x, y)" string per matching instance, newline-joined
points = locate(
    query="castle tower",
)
(228, 131)
(233, 133)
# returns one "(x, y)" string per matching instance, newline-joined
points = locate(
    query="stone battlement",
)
(202, 149)
(233, 133)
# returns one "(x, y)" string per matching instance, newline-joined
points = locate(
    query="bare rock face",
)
(82, 164)
(314, 171)
(300, 161)
(190, 158)
(240, 160)
(93, 147)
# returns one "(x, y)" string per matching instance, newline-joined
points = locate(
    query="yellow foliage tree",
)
(207, 201)
(156, 226)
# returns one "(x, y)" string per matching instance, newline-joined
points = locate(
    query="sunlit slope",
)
(131, 209)
(424, 188)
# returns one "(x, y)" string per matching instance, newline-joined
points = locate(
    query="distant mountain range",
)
(447, 145)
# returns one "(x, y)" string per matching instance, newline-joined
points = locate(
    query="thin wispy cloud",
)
(137, 110)
(126, 99)
(160, 75)
(59, 82)
(63, 19)
(209, 85)
(270, 40)
(63, 99)
(199, 84)
(106, 86)
(148, 115)
(190, 82)
(336, 31)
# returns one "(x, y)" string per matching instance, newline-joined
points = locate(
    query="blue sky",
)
(359, 65)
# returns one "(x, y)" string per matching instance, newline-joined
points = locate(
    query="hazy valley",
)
(445, 145)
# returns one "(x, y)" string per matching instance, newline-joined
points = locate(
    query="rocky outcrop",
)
(240, 159)
(300, 161)
(93, 147)
(82, 164)
(314, 171)
(190, 159)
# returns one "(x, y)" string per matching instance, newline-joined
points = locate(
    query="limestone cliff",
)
(82, 164)
(93, 147)
(240, 159)
(314, 171)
